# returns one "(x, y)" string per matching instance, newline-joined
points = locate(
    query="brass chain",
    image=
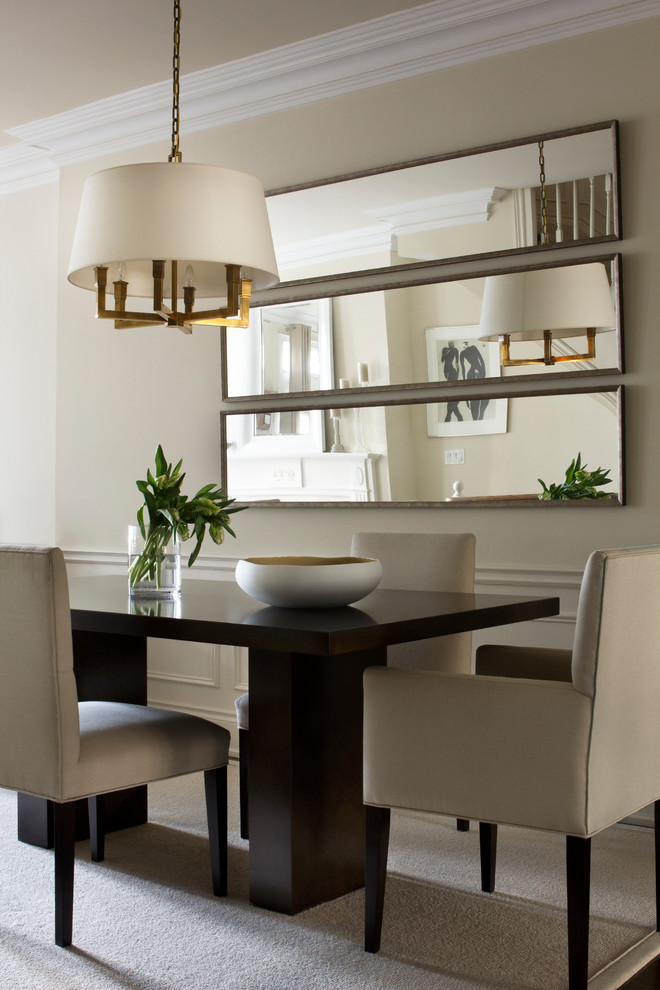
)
(175, 154)
(544, 198)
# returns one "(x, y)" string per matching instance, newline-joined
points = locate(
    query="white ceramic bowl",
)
(308, 582)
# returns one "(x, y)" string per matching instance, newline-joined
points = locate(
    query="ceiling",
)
(55, 57)
(89, 77)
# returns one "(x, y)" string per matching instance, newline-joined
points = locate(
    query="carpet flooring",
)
(145, 918)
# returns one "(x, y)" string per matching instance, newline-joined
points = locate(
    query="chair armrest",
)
(488, 748)
(539, 663)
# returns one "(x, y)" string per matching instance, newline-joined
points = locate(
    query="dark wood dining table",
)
(305, 680)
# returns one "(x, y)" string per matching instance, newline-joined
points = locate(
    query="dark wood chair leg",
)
(578, 869)
(96, 813)
(488, 853)
(462, 824)
(377, 831)
(64, 829)
(243, 763)
(215, 787)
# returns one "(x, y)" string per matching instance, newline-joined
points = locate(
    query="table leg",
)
(305, 777)
(108, 667)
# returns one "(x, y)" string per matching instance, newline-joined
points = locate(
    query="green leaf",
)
(161, 462)
(169, 510)
(193, 556)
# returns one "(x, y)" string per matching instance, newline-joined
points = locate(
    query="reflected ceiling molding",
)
(436, 213)
(452, 210)
(387, 49)
(334, 247)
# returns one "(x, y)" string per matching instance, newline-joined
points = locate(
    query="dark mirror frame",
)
(534, 139)
(560, 371)
(483, 391)
(572, 380)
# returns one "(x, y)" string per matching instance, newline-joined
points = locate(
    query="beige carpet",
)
(145, 918)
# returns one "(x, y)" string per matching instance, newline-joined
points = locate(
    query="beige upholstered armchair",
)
(411, 562)
(566, 756)
(55, 748)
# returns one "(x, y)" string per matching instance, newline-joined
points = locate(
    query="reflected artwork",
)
(457, 354)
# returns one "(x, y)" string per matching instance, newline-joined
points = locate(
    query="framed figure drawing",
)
(456, 354)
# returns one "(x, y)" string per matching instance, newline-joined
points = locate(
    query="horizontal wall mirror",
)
(473, 203)
(479, 447)
(445, 331)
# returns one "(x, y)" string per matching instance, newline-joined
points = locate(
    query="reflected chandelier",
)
(546, 304)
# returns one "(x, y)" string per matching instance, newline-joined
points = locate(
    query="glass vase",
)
(154, 563)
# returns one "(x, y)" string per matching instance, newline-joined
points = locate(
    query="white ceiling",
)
(89, 77)
(58, 56)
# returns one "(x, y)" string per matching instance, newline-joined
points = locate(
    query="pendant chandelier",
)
(175, 234)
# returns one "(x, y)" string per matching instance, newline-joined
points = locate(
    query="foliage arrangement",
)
(578, 483)
(169, 513)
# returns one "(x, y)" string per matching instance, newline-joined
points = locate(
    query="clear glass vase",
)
(154, 563)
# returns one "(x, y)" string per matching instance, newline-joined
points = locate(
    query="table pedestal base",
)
(305, 777)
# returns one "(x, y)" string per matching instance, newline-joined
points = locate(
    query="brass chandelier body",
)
(235, 314)
(548, 357)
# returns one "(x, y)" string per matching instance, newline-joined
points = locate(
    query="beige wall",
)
(28, 343)
(121, 393)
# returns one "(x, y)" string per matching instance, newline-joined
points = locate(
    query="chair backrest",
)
(616, 662)
(39, 728)
(425, 562)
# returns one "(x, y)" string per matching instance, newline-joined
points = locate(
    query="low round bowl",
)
(308, 582)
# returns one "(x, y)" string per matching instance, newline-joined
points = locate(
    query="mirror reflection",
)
(443, 331)
(421, 452)
(471, 204)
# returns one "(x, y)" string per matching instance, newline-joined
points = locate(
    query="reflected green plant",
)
(578, 483)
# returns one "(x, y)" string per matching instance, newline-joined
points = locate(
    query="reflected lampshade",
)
(566, 300)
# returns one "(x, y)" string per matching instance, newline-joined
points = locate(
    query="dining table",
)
(305, 667)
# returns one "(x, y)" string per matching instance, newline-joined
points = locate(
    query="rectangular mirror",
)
(410, 453)
(474, 203)
(432, 332)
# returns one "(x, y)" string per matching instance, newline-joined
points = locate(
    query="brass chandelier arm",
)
(235, 314)
(548, 357)
(224, 317)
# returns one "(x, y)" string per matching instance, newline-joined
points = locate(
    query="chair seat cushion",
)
(123, 745)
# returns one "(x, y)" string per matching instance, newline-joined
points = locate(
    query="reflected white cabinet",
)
(310, 476)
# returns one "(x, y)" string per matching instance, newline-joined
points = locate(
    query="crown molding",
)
(23, 167)
(397, 46)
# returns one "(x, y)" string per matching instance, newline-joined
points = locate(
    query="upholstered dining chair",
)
(411, 562)
(54, 747)
(569, 757)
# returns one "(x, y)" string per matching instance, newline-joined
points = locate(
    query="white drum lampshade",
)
(198, 215)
